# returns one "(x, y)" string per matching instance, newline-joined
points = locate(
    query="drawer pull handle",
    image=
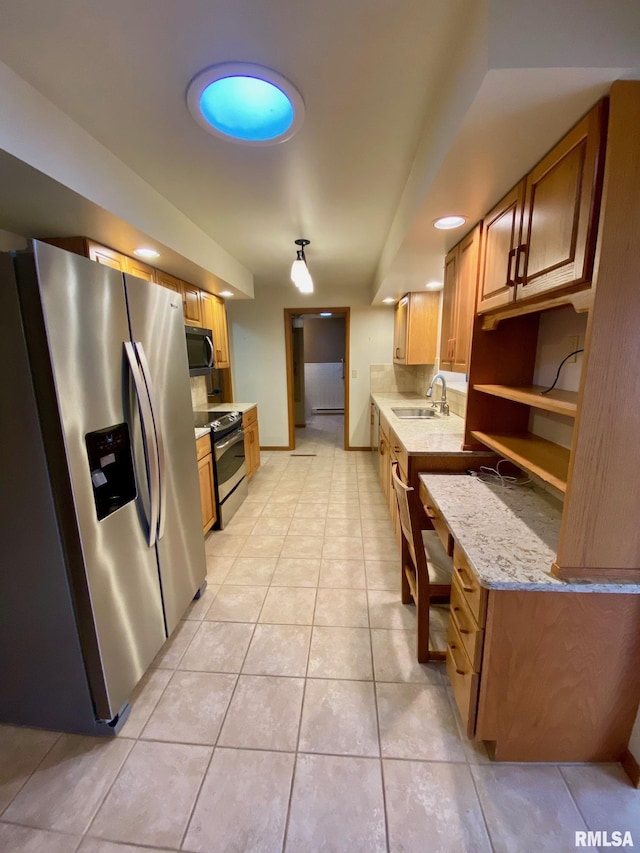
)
(459, 671)
(430, 511)
(461, 575)
(460, 628)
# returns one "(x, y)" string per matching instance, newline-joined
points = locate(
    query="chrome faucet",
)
(442, 402)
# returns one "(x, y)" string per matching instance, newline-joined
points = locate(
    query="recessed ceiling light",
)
(245, 103)
(326, 314)
(146, 253)
(446, 222)
(389, 300)
(433, 285)
(226, 293)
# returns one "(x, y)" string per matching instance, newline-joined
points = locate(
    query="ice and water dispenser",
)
(111, 466)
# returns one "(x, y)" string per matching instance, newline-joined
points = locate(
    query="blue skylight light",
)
(247, 108)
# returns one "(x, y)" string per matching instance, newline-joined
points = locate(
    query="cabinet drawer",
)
(203, 446)
(250, 417)
(400, 455)
(471, 636)
(464, 680)
(474, 594)
(439, 525)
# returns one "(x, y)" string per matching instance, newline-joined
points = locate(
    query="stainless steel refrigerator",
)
(101, 543)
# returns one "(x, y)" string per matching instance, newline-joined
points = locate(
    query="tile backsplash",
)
(405, 379)
(198, 392)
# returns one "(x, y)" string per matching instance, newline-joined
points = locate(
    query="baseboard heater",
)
(328, 410)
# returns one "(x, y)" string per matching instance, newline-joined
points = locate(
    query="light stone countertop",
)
(217, 408)
(443, 434)
(508, 534)
(200, 431)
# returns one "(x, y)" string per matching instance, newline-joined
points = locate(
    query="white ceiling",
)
(408, 117)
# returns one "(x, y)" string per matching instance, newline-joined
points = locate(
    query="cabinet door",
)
(465, 307)
(168, 281)
(422, 328)
(447, 333)
(501, 228)
(220, 332)
(108, 257)
(400, 320)
(191, 304)
(140, 270)
(207, 500)
(206, 311)
(561, 210)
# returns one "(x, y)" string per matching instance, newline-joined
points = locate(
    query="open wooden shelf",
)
(560, 402)
(533, 454)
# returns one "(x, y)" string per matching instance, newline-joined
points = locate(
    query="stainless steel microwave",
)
(200, 351)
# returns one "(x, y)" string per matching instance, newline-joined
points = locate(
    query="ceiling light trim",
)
(225, 70)
(452, 220)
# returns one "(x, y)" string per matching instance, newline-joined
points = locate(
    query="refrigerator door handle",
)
(162, 469)
(210, 342)
(149, 439)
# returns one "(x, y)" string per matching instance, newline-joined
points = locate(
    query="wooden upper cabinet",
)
(501, 238)
(191, 304)
(415, 330)
(459, 302)
(220, 333)
(562, 203)
(140, 270)
(168, 281)
(108, 257)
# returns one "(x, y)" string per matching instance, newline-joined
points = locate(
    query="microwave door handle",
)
(210, 343)
(155, 412)
(148, 438)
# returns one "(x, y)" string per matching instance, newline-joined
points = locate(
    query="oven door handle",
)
(235, 438)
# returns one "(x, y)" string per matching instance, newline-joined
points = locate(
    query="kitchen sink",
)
(406, 412)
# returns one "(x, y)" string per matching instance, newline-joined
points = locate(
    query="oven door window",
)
(230, 462)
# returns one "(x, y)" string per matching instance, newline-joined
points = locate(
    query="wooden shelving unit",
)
(533, 454)
(559, 402)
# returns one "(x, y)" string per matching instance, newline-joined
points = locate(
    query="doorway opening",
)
(317, 354)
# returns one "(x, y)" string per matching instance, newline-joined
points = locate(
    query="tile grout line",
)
(6, 806)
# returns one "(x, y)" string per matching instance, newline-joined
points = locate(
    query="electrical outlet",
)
(574, 342)
(354, 374)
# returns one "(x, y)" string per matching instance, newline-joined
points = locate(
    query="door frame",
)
(289, 314)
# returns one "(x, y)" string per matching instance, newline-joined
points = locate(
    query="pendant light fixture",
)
(300, 275)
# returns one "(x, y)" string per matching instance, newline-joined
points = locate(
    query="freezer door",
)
(157, 331)
(113, 571)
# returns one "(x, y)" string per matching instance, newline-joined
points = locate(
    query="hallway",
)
(288, 712)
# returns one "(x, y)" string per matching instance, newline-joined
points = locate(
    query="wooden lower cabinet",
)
(251, 441)
(207, 489)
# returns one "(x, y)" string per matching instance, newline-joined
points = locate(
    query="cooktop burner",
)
(217, 420)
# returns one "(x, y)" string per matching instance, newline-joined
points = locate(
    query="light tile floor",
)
(287, 711)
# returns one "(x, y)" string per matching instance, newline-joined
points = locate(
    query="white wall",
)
(258, 354)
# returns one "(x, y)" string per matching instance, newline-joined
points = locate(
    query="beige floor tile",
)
(21, 750)
(289, 605)
(350, 509)
(339, 717)
(218, 647)
(293, 571)
(305, 547)
(605, 797)
(336, 805)
(144, 699)
(394, 658)
(315, 494)
(416, 721)
(342, 574)
(434, 801)
(20, 839)
(252, 571)
(439, 618)
(225, 544)
(383, 574)
(251, 508)
(191, 709)
(275, 510)
(264, 713)
(272, 525)
(527, 807)
(241, 526)
(342, 608)
(307, 526)
(340, 653)
(342, 547)
(153, 796)
(337, 526)
(386, 610)
(310, 509)
(171, 652)
(66, 790)
(374, 511)
(475, 750)
(232, 814)
(381, 548)
(376, 528)
(237, 604)
(99, 845)
(262, 546)
(278, 650)
(199, 607)
(218, 568)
